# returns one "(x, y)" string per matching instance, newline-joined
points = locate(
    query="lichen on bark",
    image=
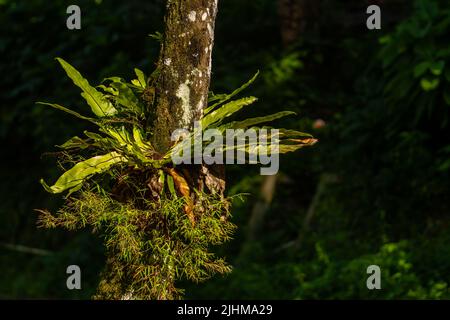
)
(185, 67)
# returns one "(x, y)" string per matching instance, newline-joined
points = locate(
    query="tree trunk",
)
(181, 92)
(183, 82)
(185, 67)
(261, 207)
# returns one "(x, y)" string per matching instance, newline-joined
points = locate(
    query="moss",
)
(150, 245)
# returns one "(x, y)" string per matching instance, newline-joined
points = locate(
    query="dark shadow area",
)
(373, 191)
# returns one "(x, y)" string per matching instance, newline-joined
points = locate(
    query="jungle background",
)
(374, 190)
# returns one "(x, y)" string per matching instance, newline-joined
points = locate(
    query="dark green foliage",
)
(389, 149)
(415, 60)
(32, 33)
(153, 237)
(150, 245)
(386, 140)
(400, 134)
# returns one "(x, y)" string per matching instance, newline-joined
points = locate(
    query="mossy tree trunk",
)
(182, 85)
(181, 93)
(185, 67)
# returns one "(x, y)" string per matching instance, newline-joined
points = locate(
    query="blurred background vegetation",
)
(374, 190)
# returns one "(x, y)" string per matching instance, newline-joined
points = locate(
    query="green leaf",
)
(290, 140)
(140, 77)
(292, 145)
(171, 185)
(162, 179)
(215, 97)
(286, 148)
(437, 67)
(225, 97)
(429, 85)
(75, 176)
(93, 136)
(225, 111)
(293, 134)
(74, 113)
(254, 121)
(109, 90)
(138, 137)
(385, 39)
(158, 36)
(96, 100)
(126, 97)
(119, 134)
(74, 143)
(101, 141)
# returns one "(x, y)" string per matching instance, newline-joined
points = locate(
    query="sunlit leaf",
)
(74, 113)
(171, 186)
(429, 85)
(75, 143)
(258, 120)
(225, 97)
(83, 170)
(99, 104)
(217, 116)
(126, 97)
(140, 77)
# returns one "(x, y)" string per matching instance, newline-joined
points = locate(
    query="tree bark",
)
(181, 88)
(184, 67)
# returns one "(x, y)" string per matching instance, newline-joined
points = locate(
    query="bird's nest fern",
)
(155, 233)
